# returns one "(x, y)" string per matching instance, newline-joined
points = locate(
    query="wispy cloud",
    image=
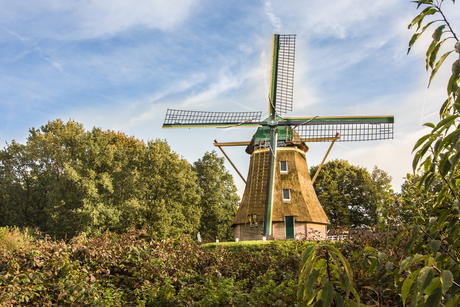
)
(274, 20)
(23, 39)
(92, 19)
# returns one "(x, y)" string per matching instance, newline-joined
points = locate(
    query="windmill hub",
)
(272, 123)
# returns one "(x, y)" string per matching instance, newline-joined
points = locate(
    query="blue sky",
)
(120, 64)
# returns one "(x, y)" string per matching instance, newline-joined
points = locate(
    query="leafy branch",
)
(433, 7)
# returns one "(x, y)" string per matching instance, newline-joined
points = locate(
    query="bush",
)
(133, 270)
(11, 239)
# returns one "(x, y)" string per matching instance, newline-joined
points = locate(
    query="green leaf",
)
(445, 106)
(351, 303)
(453, 302)
(404, 263)
(318, 303)
(446, 122)
(419, 18)
(451, 84)
(446, 278)
(311, 279)
(454, 162)
(344, 261)
(415, 230)
(417, 35)
(398, 238)
(435, 283)
(422, 139)
(429, 52)
(424, 278)
(308, 255)
(413, 40)
(456, 137)
(431, 125)
(438, 65)
(445, 165)
(431, 222)
(437, 148)
(416, 161)
(418, 246)
(435, 298)
(373, 266)
(338, 299)
(328, 294)
(435, 244)
(344, 282)
(438, 32)
(388, 266)
(420, 2)
(356, 295)
(443, 217)
(407, 286)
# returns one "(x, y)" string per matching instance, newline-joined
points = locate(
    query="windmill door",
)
(289, 223)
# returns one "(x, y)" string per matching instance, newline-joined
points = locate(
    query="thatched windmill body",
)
(279, 201)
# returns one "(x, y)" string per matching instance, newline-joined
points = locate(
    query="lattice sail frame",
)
(285, 74)
(347, 132)
(202, 118)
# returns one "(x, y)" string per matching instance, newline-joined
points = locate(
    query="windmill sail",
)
(202, 119)
(284, 86)
(350, 128)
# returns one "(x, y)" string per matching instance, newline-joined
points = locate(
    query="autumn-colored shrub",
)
(132, 270)
(11, 238)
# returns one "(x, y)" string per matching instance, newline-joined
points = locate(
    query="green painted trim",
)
(283, 132)
(351, 119)
(167, 126)
(271, 187)
(272, 105)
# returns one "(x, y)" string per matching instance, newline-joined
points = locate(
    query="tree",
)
(219, 200)
(350, 195)
(66, 180)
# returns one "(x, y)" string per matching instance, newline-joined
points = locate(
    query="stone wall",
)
(245, 232)
(302, 230)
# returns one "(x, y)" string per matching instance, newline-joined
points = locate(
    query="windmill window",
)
(253, 220)
(286, 195)
(283, 167)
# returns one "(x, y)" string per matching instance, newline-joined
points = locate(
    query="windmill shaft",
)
(271, 184)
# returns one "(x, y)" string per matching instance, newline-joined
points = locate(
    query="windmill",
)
(279, 200)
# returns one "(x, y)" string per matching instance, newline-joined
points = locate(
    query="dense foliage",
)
(219, 200)
(133, 270)
(426, 272)
(66, 181)
(350, 195)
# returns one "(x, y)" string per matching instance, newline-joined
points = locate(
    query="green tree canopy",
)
(66, 180)
(219, 200)
(350, 195)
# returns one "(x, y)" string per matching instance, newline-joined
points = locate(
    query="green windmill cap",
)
(284, 132)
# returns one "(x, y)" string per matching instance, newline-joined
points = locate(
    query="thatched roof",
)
(304, 204)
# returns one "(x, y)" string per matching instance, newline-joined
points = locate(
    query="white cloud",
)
(91, 19)
(274, 20)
